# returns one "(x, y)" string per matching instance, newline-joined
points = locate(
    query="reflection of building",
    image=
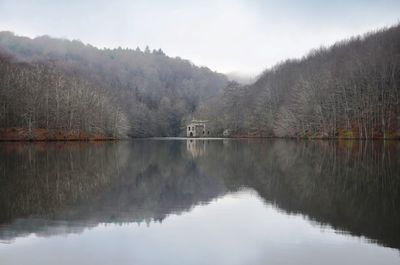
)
(196, 147)
(197, 128)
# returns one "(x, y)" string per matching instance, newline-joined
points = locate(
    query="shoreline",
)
(189, 138)
(15, 134)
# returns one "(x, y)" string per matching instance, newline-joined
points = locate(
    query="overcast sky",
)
(224, 35)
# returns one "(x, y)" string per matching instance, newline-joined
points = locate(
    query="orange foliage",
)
(41, 134)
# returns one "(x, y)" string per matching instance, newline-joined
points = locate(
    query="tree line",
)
(37, 96)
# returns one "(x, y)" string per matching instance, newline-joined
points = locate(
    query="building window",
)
(189, 128)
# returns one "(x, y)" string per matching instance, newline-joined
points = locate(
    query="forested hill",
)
(350, 90)
(155, 93)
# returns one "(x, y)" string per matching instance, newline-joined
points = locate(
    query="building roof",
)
(198, 121)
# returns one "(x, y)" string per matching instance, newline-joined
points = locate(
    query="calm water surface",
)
(200, 202)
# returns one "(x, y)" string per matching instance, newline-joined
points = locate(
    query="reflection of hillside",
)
(354, 186)
(159, 179)
(39, 179)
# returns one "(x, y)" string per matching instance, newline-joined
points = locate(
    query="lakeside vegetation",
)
(55, 89)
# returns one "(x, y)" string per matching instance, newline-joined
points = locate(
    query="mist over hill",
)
(244, 79)
(155, 93)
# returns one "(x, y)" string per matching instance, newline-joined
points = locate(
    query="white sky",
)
(225, 35)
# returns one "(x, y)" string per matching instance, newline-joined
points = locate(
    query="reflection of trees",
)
(86, 184)
(352, 186)
(39, 179)
(160, 178)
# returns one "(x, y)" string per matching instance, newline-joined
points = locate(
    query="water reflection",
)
(58, 188)
(197, 147)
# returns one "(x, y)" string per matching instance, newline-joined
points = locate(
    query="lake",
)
(178, 201)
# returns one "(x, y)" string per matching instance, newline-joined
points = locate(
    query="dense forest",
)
(133, 92)
(350, 90)
(50, 105)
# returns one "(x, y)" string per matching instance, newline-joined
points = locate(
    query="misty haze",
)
(199, 132)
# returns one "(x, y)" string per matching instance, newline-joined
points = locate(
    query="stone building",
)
(197, 128)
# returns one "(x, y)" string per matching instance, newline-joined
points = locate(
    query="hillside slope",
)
(350, 90)
(40, 103)
(156, 92)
